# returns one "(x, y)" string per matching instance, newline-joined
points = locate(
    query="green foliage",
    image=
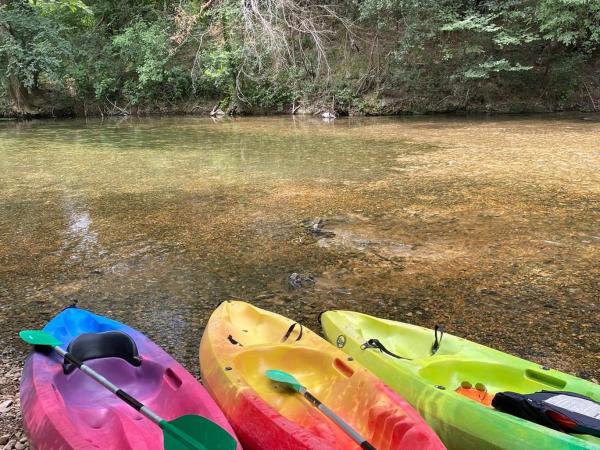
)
(570, 22)
(133, 66)
(272, 93)
(52, 6)
(214, 71)
(142, 51)
(485, 69)
(474, 23)
(33, 47)
(452, 49)
(433, 54)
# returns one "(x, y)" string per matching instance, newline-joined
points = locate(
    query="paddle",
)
(290, 381)
(189, 432)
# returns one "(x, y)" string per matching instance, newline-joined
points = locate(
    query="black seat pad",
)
(102, 345)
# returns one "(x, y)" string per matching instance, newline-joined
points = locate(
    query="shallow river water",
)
(488, 225)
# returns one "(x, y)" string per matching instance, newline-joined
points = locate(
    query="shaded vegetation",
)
(370, 56)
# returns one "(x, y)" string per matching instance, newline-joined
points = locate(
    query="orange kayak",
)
(241, 342)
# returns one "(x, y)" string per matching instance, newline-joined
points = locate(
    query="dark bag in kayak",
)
(564, 411)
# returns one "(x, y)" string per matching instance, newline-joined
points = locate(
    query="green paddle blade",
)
(191, 432)
(39, 337)
(284, 377)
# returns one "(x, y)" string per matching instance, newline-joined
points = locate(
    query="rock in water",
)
(316, 227)
(297, 280)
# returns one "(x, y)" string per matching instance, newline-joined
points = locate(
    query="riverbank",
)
(368, 58)
(370, 105)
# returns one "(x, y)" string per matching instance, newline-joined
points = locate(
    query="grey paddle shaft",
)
(111, 387)
(337, 419)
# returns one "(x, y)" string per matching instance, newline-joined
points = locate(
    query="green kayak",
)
(434, 381)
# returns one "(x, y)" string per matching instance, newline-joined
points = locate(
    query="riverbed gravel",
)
(12, 435)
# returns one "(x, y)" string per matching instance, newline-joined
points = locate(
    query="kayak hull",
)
(241, 342)
(429, 382)
(71, 411)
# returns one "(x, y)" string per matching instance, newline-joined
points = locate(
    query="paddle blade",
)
(192, 432)
(284, 377)
(38, 337)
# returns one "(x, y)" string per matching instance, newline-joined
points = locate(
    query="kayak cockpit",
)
(78, 389)
(326, 375)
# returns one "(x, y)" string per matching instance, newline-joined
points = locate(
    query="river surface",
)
(490, 226)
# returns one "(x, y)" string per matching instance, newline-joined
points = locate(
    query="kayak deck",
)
(430, 381)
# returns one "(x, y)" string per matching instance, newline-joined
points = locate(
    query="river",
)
(490, 226)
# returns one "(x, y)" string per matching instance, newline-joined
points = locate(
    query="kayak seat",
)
(108, 344)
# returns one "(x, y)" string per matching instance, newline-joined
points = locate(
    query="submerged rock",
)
(316, 227)
(297, 280)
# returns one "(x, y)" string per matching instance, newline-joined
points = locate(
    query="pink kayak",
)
(65, 409)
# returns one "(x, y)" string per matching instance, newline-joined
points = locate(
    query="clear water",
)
(490, 226)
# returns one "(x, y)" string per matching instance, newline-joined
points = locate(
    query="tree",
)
(33, 50)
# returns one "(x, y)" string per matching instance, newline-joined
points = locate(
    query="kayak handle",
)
(546, 379)
(375, 343)
(288, 333)
(438, 341)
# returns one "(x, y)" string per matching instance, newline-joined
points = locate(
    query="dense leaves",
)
(424, 55)
(32, 45)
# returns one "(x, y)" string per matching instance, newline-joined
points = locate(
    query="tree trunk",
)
(23, 102)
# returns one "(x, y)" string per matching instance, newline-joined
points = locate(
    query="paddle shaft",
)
(135, 404)
(337, 419)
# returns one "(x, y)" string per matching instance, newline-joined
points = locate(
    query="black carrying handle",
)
(233, 341)
(288, 333)
(438, 341)
(375, 343)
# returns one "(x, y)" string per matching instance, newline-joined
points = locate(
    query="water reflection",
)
(80, 241)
